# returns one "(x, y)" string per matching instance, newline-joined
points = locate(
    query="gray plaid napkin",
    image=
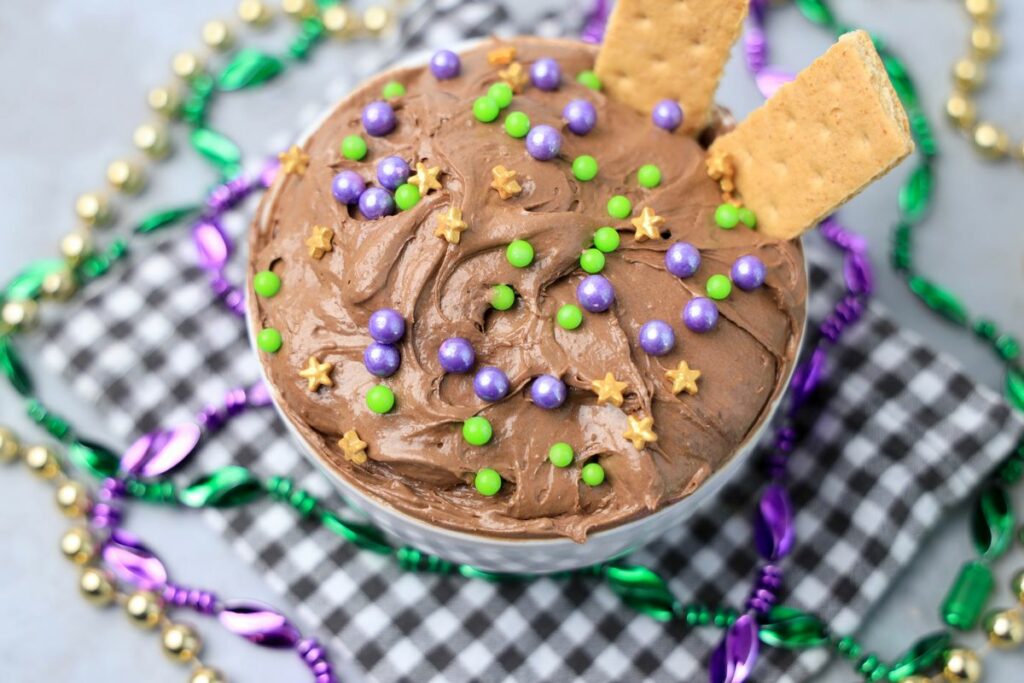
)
(900, 436)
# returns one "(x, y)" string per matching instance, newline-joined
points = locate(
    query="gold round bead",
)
(917, 679)
(144, 608)
(164, 99)
(59, 285)
(186, 65)
(376, 18)
(125, 176)
(20, 314)
(991, 141)
(969, 74)
(340, 21)
(205, 674)
(10, 445)
(981, 9)
(217, 35)
(41, 461)
(1017, 586)
(151, 139)
(96, 586)
(72, 499)
(77, 546)
(1004, 628)
(985, 41)
(180, 642)
(93, 209)
(961, 111)
(962, 666)
(75, 245)
(254, 12)
(301, 9)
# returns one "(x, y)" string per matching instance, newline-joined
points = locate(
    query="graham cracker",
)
(669, 49)
(818, 141)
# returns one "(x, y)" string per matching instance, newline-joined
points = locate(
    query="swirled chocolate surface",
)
(418, 461)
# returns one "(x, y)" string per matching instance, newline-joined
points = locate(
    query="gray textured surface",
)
(73, 84)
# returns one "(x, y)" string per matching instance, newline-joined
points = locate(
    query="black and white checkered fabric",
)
(900, 436)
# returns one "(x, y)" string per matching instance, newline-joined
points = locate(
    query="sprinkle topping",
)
(353, 446)
(294, 161)
(683, 378)
(450, 225)
(426, 178)
(515, 75)
(505, 182)
(317, 374)
(640, 432)
(320, 241)
(648, 225)
(609, 390)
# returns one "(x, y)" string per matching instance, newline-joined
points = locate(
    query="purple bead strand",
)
(214, 417)
(203, 602)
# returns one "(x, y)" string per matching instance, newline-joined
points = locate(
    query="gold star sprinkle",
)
(426, 178)
(648, 225)
(320, 241)
(505, 182)
(354, 447)
(294, 161)
(683, 378)
(515, 75)
(640, 431)
(500, 56)
(318, 374)
(609, 390)
(450, 225)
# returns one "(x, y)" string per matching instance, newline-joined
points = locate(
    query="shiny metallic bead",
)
(180, 642)
(75, 245)
(205, 674)
(968, 74)
(41, 461)
(981, 9)
(96, 586)
(340, 21)
(186, 65)
(300, 9)
(985, 42)
(164, 99)
(961, 111)
(72, 499)
(991, 141)
(218, 35)
(1004, 628)
(10, 445)
(962, 666)
(125, 176)
(151, 139)
(1017, 586)
(21, 314)
(77, 546)
(376, 18)
(917, 679)
(59, 285)
(93, 209)
(144, 608)
(254, 12)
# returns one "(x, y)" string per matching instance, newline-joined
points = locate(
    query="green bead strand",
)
(413, 560)
(55, 426)
(161, 491)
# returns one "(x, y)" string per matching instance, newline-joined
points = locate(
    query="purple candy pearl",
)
(581, 116)
(386, 325)
(657, 337)
(379, 118)
(376, 203)
(490, 384)
(748, 272)
(667, 114)
(392, 172)
(445, 64)
(381, 360)
(682, 259)
(456, 355)
(543, 142)
(546, 74)
(548, 392)
(347, 187)
(595, 293)
(700, 314)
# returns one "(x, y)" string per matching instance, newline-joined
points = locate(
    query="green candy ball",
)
(584, 167)
(407, 196)
(727, 216)
(719, 287)
(519, 253)
(486, 109)
(517, 124)
(487, 481)
(649, 176)
(607, 239)
(589, 79)
(380, 399)
(502, 297)
(353, 147)
(561, 454)
(592, 261)
(569, 317)
(477, 431)
(501, 93)
(266, 284)
(269, 340)
(747, 218)
(392, 89)
(619, 207)
(592, 474)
